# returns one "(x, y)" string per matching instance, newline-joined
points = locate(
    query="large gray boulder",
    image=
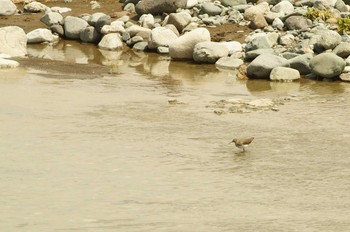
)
(57, 29)
(209, 52)
(261, 66)
(7, 7)
(13, 41)
(113, 28)
(94, 17)
(327, 65)
(52, 18)
(233, 47)
(325, 39)
(182, 47)
(41, 35)
(111, 42)
(90, 35)
(73, 26)
(159, 6)
(297, 22)
(130, 1)
(101, 21)
(284, 74)
(301, 63)
(161, 37)
(342, 50)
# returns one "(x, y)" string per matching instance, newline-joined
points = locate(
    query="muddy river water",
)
(145, 148)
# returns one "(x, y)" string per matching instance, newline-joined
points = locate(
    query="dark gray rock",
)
(57, 29)
(92, 19)
(34, 7)
(140, 46)
(73, 26)
(301, 63)
(111, 42)
(101, 21)
(52, 18)
(327, 65)
(297, 22)
(260, 67)
(228, 63)
(134, 40)
(342, 50)
(211, 9)
(40, 35)
(159, 6)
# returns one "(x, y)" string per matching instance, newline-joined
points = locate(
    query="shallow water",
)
(111, 153)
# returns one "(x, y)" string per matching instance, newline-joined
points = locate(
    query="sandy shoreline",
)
(29, 22)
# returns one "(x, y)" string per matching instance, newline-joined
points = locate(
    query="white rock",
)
(147, 21)
(107, 29)
(161, 37)
(40, 35)
(4, 63)
(233, 46)
(52, 18)
(13, 41)
(60, 10)
(134, 29)
(7, 7)
(35, 7)
(284, 74)
(182, 47)
(286, 39)
(209, 52)
(111, 42)
(191, 3)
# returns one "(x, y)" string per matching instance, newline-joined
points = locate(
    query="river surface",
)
(142, 149)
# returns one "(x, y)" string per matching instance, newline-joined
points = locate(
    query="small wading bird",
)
(242, 143)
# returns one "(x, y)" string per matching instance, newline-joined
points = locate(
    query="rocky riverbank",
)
(272, 40)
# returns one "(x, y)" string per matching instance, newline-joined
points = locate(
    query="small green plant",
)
(313, 13)
(344, 25)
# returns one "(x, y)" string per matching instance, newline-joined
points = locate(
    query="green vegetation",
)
(313, 13)
(344, 25)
